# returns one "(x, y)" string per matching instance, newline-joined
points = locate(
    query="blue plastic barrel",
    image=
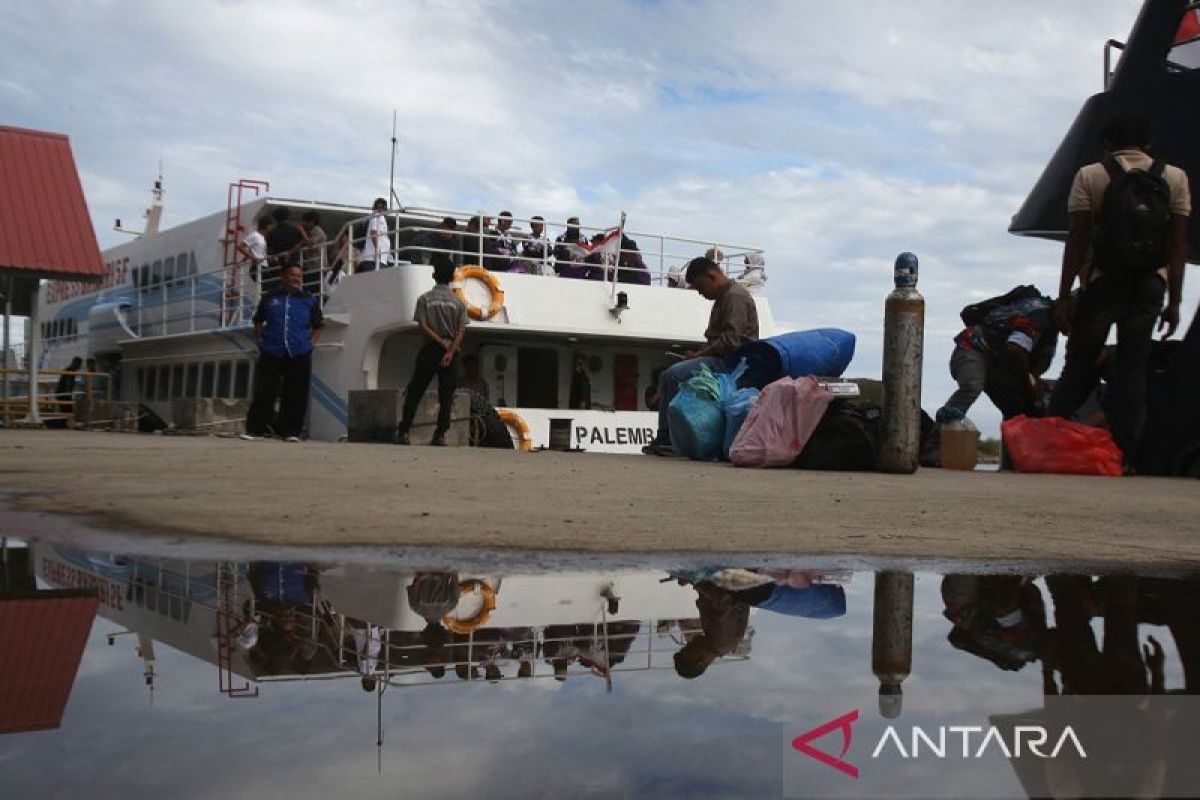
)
(825, 352)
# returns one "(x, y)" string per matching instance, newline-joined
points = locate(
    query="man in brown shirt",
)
(732, 322)
(1116, 292)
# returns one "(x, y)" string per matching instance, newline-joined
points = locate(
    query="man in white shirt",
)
(377, 245)
(253, 247)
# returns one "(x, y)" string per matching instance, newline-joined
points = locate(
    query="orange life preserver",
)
(489, 280)
(513, 420)
(465, 626)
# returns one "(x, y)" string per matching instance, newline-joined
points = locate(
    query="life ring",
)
(489, 280)
(513, 420)
(466, 626)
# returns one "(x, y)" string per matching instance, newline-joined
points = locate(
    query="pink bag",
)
(780, 424)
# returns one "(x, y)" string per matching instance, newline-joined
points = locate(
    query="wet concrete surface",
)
(329, 495)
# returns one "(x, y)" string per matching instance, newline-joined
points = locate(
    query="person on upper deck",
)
(284, 239)
(442, 318)
(567, 262)
(443, 240)
(254, 246)
(536, 248)
(732, 323)
(313, 253)
(632, 267)
(1129, 218)
(507, 240)
(478, 244)
(377, 243)
(287, 324)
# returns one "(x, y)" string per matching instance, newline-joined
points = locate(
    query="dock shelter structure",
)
(45, 233)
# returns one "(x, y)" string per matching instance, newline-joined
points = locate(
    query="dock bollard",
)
(891, 638)
(903, 343)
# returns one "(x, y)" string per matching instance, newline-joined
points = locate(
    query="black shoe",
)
(439, 440)
(402, 437)
(658, 449)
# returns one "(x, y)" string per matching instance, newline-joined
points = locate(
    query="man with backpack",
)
(1008, 343)
(1129, 214)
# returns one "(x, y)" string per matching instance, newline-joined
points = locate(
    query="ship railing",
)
(14, 406)
(412, 232)
(600, 650)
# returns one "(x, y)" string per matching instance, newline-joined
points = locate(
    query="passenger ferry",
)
(524, 626)
(172, 320)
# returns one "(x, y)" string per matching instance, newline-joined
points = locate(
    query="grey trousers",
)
(969, 368)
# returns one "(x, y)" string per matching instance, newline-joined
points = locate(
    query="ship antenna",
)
(392, 198)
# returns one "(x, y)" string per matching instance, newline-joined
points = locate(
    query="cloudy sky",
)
(834, 135)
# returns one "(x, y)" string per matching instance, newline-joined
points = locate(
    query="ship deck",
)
(324, 495)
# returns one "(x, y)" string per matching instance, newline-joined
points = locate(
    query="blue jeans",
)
(668, 386)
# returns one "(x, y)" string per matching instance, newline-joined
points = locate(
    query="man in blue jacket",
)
(286, 325)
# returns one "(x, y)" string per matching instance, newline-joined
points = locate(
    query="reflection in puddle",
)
(647, 683)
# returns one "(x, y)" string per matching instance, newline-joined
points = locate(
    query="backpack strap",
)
(1112, 167)
(1157, 168)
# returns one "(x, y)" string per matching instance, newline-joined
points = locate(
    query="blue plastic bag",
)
(706, 414)
(694, 417)
(735, 409)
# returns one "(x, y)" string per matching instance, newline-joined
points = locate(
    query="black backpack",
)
(976, 313)
(847, 439)
(1134, 221)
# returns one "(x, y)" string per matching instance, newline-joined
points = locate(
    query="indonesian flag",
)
(609, 246)
(1190, 27)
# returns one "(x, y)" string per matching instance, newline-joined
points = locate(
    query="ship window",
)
(537, 377)
(193, 379)
(177, 380)
(241, 380)
(164, 383)
(141, 381)
(223, 375)
(156, 273)
(151, 382)
(187, 262)
(169, 269)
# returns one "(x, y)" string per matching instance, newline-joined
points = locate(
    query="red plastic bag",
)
(1056, 445)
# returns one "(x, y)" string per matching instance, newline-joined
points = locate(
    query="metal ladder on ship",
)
(233, 306)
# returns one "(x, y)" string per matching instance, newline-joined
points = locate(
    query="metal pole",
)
(35, 339)
(392, 171)
(8, 290)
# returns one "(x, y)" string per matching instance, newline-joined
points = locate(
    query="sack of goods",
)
(1055, 445)
(707, 412)
(780, 423)
(824, 351)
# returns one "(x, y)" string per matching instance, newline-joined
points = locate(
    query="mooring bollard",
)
(891, 638)
(903, 342)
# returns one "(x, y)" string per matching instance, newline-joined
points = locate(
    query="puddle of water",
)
(290, 678)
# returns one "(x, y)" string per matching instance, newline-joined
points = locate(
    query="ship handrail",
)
(669, 263)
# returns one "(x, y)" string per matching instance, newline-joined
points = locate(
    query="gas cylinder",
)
(891, 638)
(903, 343)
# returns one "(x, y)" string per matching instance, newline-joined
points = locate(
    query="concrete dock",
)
(324, 494)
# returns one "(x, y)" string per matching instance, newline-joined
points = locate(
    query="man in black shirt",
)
(284, 240)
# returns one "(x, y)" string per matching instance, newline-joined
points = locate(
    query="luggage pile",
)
(775, 408)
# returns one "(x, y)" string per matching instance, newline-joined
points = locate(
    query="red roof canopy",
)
(42, 635)
(45, 228)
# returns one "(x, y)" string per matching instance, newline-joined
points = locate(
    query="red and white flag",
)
(608, 245)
